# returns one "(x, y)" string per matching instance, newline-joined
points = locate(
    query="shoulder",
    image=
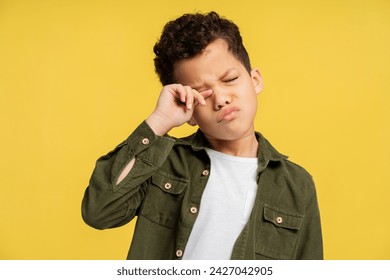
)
(297, 173)
(283, 170)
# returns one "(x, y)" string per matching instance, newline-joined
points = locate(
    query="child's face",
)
(230, 110)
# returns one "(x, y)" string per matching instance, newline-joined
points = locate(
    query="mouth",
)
(227, 114)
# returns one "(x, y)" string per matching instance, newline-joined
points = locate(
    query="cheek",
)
(202, 114)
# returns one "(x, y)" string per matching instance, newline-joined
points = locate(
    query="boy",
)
(221, 193)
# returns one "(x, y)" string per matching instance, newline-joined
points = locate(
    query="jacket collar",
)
(266, 152)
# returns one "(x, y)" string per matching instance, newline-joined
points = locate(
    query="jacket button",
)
(279, 220)
(167, 186)
(193, 210)
(179, 253)
(205, 172)
(145, 141)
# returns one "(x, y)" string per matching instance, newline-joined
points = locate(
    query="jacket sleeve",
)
(107, 205)
(310, 245)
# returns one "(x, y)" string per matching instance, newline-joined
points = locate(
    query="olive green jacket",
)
(166, 184)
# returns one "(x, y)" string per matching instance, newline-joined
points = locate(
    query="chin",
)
(229, 134)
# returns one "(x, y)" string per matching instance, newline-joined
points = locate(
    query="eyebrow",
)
(222, 76)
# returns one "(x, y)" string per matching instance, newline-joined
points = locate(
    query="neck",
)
(244, 147)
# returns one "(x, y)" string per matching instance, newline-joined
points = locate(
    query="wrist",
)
(158, 124)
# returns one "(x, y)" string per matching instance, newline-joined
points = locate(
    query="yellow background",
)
(76, 77)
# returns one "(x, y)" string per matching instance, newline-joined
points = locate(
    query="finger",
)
(206, 93)
(201, 97)
(179, 89)
(198, 98)
(189, 97)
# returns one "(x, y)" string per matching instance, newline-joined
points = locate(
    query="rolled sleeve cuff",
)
(148, 146)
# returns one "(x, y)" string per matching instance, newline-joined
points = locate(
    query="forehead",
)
(211, 63)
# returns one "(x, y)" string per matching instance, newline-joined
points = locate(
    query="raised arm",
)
(174, 108)
(116, 188)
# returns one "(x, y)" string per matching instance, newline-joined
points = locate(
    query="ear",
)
(192, 122)
(257, 80)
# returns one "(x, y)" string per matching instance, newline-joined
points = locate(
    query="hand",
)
(175, 107)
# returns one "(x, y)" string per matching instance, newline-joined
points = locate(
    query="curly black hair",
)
(189, 35)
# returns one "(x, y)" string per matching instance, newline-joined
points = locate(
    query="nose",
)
(221, 99)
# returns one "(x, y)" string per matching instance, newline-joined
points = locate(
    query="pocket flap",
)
(169, 184)
(282, 218)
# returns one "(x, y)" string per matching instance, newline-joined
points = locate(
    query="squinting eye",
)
(231, 80)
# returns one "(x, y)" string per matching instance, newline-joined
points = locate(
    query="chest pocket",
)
(163, 199)
(278, 233)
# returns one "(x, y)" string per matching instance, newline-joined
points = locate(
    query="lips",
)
(227, 114)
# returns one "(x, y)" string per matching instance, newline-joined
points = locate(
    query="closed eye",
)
(231, 80)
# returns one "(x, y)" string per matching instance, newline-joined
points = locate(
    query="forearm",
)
(160, 127)
(112, 197)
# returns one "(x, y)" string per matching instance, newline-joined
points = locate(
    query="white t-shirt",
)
(225, 207)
